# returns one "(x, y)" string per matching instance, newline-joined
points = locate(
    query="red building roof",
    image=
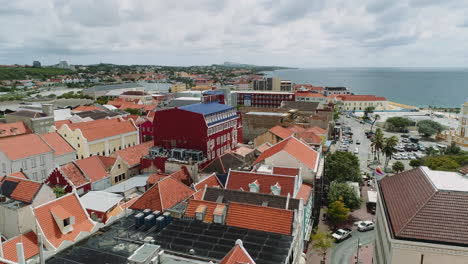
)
(304, 192)
(241, 179)
(350, 97)
(13, 129)
(183, 176)
(57, 143)
(210, 181)
(30, 246)
(155, 177)
(73, 173)
(18, 174)
(103, 128)
(260, 218)
(317, 130)
(281, 132)
(93, 168)
(23, 146)
(238, 254)
(309, 138)
(71, 204)
(295, 148)
(132, 155)
(309, 94)
(286, 171)
(23, 190)
(59, 124)
(83, 108)
(163, 195)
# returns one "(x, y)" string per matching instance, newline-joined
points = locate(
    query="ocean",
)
(419, 87)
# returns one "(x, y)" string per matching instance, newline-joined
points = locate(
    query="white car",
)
(365, 226)
(341, 234)
(356, 151)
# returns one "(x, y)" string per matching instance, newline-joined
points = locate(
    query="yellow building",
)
(100, 137)
(202, 88)
(178, 87)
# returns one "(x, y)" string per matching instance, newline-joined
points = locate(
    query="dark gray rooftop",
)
(301, 106)
(114, 86)
(97, 114)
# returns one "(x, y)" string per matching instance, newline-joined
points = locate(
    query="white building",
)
(421, 218)
(461, 137)
(360, 102)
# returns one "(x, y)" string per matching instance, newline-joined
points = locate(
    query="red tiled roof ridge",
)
(205, 179)
(237, 255)
(281, 132)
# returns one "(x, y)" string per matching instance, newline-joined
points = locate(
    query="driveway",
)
(342, 252)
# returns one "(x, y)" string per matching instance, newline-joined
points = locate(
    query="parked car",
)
(365, 226)
(405, 135)
(414, 140)
(356, 151)
(404, 156)
(362, 121)
(358, 142)
(405, 140)
(341, 234)
(396, 156)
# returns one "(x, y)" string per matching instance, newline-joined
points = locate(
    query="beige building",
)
(461, 137)
(350, 102)
(178, 87)
(421, 218)
(100, 137)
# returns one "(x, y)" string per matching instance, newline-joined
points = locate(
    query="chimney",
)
(48, 109)
(287, 201)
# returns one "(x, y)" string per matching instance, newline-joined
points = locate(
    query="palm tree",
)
(389, 148)
(377, 142)
(367, 112)
(376, 117)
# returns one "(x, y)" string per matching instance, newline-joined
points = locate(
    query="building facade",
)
(461, 137)
(361, 102)
(260, 98)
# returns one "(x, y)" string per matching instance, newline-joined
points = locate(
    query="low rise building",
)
(336, 90)
(420, 218)
(100, 137)
(37, 122)
(178, 87)
(360, 102)
(310, 97)
(128, 161)
(265, 99)
(63, 152)
(13, 129)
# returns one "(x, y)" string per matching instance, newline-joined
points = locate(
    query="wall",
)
(283, 159)
(116, 171)
(15, 221)
(42, 125)
(266, 137)
(65, 158)
(38, 173)
(255, 125)
(45, 194)
(101, 184)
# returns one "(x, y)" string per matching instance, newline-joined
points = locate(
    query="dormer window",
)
(276, 189)
(254, 186)
(200, 212)
(64, 219)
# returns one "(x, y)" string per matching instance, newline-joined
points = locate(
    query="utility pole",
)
(357, 253)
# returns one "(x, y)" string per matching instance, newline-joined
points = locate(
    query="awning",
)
(328, 143)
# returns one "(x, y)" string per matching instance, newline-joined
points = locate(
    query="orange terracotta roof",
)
(93, 168)
(295, 128)
(210, 181)
(241, 179)
(127, 204)
(309, 137)
(198, 195)
(23, 146)
(286, 171)
(155, 177)
(132, 155)
(115, 211)
(103, 128)
(60, 212)
(50, 228)
(194, 205)
(309, 94)
(281, 132)
(183, 176)
(260, 218)
(30, 246)
(237, 255)
(295, 148)
(13, 129)
(304, 192)
(73, 173)
(108, 162)
(350, 97)
(18, 174)
(163, 195)
(57, 143)
(24, 191)
(145, 108)
(263, 147)
(242, 151)
(317, 130)
(59, 124)
(83, 108)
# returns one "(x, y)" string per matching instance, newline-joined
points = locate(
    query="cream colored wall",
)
(175, 88)
(379, 105)
(131, 139)
(97, 148)
(432, 255)
(75, 138)
(265, 137)
(115, 171)
(114, 144)
(283, 159)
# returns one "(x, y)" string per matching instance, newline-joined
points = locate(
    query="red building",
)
(261, 98)
(197, 133)
(145, 126)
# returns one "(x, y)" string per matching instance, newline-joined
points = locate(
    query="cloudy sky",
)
(301, 33)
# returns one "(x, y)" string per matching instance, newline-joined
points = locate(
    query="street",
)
(342, 252)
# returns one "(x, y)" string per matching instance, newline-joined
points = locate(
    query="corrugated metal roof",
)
(207, 108)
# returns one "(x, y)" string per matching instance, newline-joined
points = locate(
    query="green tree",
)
(429, 127)
(415, 163)
(398, 167)
(58, 191)
(344, 191)
(377, 143)
(322, 241)
(376, 117)
(367, 113)
(430, 151)
(337, 212)
(133, 111)
(443, 163)
(389, 148)
(342, 166)
(453, 149)
(397, 123)
(102, 100)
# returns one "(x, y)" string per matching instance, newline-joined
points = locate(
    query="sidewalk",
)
(365, 255)
(312, 256)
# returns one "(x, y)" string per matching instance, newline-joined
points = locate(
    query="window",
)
(35, 176)
(118, 166)
(33, 163)
(43, 174)
(24, 165)
(78, 144)
(42, 160)
(3, 167)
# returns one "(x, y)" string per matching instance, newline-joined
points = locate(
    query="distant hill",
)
(229, 64)
(7, 73)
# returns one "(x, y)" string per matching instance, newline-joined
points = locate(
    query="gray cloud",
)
(296, 33)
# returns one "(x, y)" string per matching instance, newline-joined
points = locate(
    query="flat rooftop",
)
(267, 113)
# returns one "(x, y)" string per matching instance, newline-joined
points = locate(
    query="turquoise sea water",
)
(413, 86)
